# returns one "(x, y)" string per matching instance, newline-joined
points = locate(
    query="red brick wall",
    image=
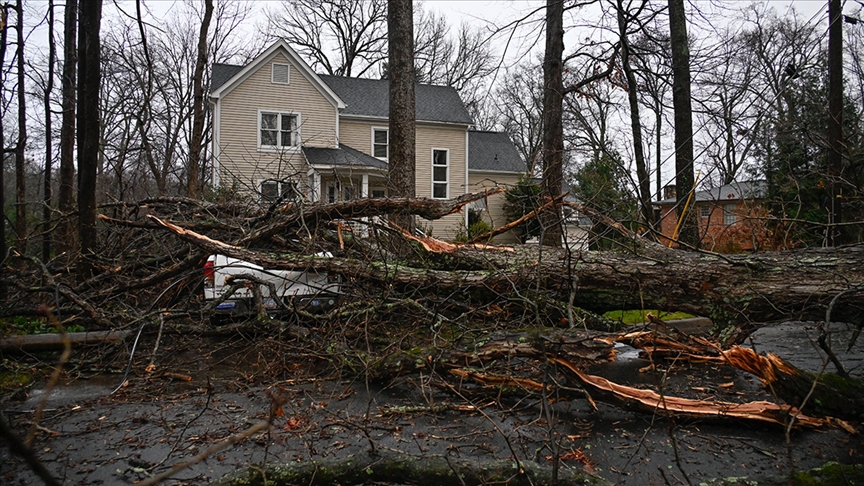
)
(749, 232)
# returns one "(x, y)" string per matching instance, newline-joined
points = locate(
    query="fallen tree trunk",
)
(730, 288)
(404, 469)
(825, 394)
(54, 341)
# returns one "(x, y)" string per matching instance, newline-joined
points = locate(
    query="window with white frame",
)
(440, 173)
(272, 190)
(704, 211)
(279, 130)
(729, 216)
(281, 73)
(381, 143)
(377, 192)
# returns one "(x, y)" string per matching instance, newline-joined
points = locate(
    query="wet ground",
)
(90, 437)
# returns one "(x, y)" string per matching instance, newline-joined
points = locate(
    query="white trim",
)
(216, 177)
(467, 151)
(432, 178)
(280, 148)
(501, 172)
(289, 53)
(273, 73)
(387, 131)
(431, 123)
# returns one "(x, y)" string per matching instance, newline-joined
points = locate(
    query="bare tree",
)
(340, 37)
(20, 148)
(553, 126)
(464, 62)
(4, 30)
(66, 196)
(626, 17)
(49, 88)
(193, 186)
(519, 101)
(684, 173)
(400, 32)
(88, 121)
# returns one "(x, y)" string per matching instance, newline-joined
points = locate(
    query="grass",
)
(20, 325)
(637, 316)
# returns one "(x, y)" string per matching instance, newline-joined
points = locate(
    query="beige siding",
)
(429, 137)
(240, 159)
(494, 213)
(358, 134)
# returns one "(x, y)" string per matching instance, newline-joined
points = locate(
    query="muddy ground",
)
(90, 436)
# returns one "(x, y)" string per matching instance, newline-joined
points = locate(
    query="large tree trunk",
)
(402, 157)
(689, 233)
(735, 289)
(193, 185)
(49, 87)
(88, 121)
(553, 109)
(644, 182)
(835, 121)
(4, 30)
(66, 196)
(20, 149)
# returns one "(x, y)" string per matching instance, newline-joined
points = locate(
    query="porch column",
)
(314, 185)
(364, 186)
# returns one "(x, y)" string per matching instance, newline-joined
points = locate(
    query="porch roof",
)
(344, 156)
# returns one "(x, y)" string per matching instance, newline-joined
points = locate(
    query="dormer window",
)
(279, 130)
(281, 73)
(380, 143)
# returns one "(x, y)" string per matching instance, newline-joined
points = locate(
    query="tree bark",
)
(4, 30)
(681, 103)
(734, 289)
(88, 121)
(835, 121)
(193, 186)
(66, 196)
(553, 108)
(20, 148)
(644, 181)
(402, 157)
(49, 88)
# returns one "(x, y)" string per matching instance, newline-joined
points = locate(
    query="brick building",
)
(732, 218)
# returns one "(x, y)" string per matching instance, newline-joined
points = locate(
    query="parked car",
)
(304, 289)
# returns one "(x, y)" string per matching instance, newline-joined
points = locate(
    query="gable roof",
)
(221, 73)
(227, 77)
(371, 98)
(735, 191)
(493, 151)
(344, 156)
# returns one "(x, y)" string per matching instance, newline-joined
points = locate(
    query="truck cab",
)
(308, 290)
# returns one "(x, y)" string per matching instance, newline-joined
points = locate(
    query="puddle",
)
(71, 392)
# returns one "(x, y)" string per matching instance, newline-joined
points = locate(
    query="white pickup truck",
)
(308, 290)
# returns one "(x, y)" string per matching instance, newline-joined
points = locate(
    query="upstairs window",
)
(272, 190)
(729, 216)
(281, 73)
(380, 143)
(280, 130)
(704, 211)
(440, 173)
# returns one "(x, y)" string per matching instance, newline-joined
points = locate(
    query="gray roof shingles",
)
(729, 192)
(344, 156)
(371, 97)
(493, 151)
